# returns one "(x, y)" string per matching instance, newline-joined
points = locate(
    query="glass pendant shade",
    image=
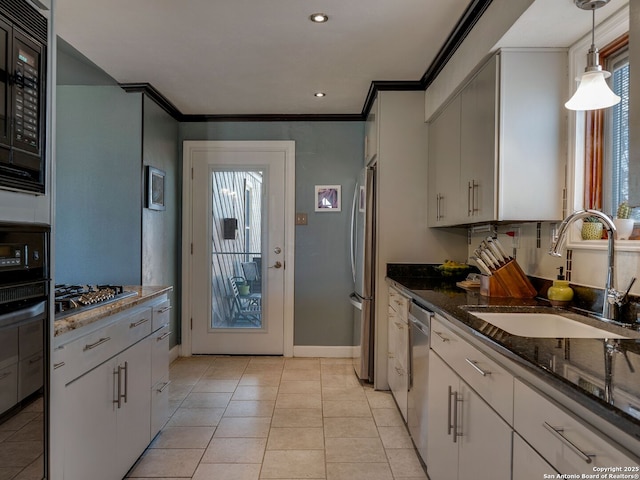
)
(593, 92)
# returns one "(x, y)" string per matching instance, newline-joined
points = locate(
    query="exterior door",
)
(238, 285)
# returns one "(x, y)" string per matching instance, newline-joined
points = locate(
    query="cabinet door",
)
(90, 438)
(134, 414)
(478, 129)
(484, 442)
(444, 167)
(442, 452)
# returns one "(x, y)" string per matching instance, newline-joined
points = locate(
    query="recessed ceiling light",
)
(319, 94)
(319, 17)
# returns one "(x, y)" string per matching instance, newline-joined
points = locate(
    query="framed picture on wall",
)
(328, 198)
(155, 188)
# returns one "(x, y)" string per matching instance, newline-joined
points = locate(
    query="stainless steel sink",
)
(542, 325)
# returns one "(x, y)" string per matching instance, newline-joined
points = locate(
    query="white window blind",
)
(619, 136)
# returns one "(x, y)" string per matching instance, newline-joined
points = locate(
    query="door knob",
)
(278, 264)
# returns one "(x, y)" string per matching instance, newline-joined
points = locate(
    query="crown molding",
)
(465, 24)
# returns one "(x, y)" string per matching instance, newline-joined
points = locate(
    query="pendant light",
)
(593, 92)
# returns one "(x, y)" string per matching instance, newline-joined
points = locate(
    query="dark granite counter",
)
(573, 366)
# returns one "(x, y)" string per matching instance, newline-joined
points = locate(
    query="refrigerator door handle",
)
(355, 301)
(353, 226)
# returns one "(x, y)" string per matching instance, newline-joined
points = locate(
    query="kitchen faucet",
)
(612, 296)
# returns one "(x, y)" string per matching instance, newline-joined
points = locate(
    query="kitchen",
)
(316, 326)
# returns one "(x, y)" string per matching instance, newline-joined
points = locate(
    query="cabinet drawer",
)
(87, 352)
(160, 354)
(137, 326)
(399, 303)
(161, 314)
(159, 405)
(8, 387)
(30, 375)
(566, 442)
(492, 382)
(30, 338)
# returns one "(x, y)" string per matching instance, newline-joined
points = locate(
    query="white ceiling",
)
(245, 57)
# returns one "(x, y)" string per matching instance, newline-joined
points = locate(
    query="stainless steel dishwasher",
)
(419, 321)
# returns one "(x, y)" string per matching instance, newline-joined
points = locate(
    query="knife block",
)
(507, 281)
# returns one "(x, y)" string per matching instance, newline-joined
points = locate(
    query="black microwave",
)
(22, 93)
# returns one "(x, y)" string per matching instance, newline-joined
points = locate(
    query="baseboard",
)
(174, 353)
(299, 351)
(325, 352)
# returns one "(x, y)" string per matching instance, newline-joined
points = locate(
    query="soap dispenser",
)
(560, 293)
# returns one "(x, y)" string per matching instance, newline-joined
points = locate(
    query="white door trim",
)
(288, 148)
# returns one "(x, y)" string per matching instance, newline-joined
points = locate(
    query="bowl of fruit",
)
(451, 268)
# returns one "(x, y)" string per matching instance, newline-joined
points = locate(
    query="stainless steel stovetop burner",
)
(70, 299)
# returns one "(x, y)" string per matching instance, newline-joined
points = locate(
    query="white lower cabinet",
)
(108, 405)
(398, 349)
(467, 439)
(159, 379)
(89, 403)
(568, 443)
(133, 417)
(109, 395)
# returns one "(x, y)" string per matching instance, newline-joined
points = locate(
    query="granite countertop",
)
(86, 317)
(574, 366)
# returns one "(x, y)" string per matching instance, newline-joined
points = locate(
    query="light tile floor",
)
(250, 418)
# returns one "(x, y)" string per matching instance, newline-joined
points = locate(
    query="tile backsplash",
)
(587, 267)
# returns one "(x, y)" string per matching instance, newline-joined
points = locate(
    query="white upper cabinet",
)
(504, 135)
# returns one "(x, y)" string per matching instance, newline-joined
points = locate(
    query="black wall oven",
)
(24, 350)
(22, 98)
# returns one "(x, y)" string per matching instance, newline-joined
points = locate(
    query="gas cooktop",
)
(71, 299)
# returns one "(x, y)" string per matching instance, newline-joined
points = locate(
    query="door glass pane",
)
(236, 250)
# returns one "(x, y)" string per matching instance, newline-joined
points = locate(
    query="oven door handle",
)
(19, 316)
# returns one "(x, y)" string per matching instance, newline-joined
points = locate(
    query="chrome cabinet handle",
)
(469, 200)
(165, 309)
(474, 364)
(474, 195)
(5, 375)
(96, 344)
(163, 387)
(443, 338)
(35, 360)
(557, 432)
(138, 323)
(163, 336)
(455, 417)
(449, 425)
(116, 374)
(126, 381)
(58, 365)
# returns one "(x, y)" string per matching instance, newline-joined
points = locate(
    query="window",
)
(607, 137)
(617, 132)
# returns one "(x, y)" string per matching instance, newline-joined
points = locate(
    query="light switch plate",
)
(301, 218)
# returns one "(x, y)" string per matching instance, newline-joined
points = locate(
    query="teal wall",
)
(98, 185)
(326, 153)
(161, 230)
(103, 234)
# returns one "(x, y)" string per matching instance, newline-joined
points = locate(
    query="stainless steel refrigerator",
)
(363, 245)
